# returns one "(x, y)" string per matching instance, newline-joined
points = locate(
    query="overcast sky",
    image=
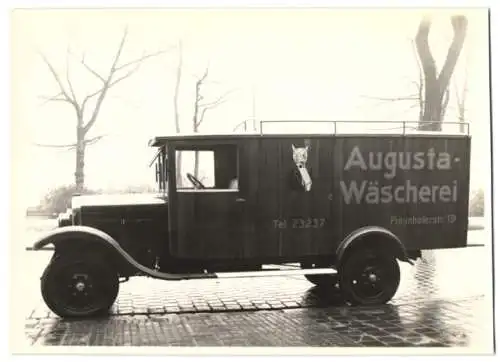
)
(302, 64)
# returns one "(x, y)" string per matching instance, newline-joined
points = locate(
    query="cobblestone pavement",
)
(441, 302)
(431, 324)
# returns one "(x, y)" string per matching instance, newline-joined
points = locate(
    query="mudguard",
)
(68, 234)
(357, 236)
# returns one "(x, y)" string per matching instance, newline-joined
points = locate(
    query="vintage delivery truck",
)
(344, 208)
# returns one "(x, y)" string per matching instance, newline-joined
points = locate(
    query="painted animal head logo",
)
(300, 155)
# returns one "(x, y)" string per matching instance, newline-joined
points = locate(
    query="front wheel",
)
(81, 287)
(369, 278)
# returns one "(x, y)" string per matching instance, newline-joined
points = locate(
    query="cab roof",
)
(335, 129)
(162, 140)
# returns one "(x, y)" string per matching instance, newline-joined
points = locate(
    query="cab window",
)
(207, 168)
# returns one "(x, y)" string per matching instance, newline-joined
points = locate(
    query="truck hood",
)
(117, 200)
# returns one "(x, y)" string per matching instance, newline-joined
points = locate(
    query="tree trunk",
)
(431, 120)
(461, 115)
(462, 126)
(196, 157)
(196, 164)
(178, 156)
(436, 85)
(80, 160)
(446, 100)
(178, 168)
(195, 127)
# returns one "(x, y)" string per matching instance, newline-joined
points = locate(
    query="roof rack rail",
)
(381, 127)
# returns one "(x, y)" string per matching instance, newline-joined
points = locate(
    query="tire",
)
(79, 287)
(367, 277)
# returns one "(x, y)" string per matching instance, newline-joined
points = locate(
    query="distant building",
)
(37, 211)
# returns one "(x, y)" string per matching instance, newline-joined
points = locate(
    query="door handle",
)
(240, 199)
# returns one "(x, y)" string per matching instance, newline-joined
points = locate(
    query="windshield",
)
(160, 161)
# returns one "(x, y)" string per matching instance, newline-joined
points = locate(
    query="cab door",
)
(297, 215)
(206, 206)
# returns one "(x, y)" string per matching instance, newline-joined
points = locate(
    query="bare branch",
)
(56, 146)
(97, 108)
(446, 100)
(71, 146)
(218, 101)
(460, 98)
(459, 24)
(405, 111)
(82, 61)
(58, 80)
(421, 80)
(102, 94)
(416, 84)
(412, 97)
(116, 81)
(206, 107)
(422, 45)
(93, 140)
(68, 79)
(176, 91)
(90, 96)
(107, 86)
(141, 59)
(59, 97)
(465, 88)
(456, 89)
(125, 76)
(118, 53)
(204, 76)
(202, 117)
(417, 60)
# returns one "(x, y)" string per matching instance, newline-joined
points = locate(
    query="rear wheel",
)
(368, 277)
(79, 286)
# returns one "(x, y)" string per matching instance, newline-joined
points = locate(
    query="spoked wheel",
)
(369, 278)
(79, 287)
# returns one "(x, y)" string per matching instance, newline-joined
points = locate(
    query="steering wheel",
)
(196, 183)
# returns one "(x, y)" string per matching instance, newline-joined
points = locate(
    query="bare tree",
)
(460, 96)
(417, 99)
(244, 124)
(436, 85)
(178, 158)
(86, 116)
(200, 109)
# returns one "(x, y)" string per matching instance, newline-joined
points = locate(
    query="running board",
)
(234, 275)
(273, 273)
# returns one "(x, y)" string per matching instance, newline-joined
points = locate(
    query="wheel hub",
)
(372, 277)
(80, 286)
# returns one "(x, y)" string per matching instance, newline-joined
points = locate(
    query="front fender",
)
(68, 234)
(357, 237)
